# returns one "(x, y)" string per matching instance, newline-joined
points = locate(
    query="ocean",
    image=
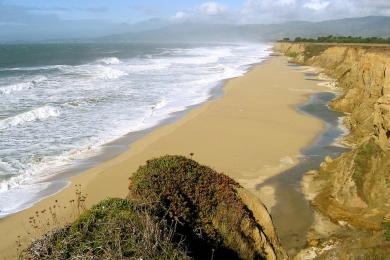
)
(61, 103)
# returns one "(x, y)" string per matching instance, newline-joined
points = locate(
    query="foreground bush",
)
(113, 229)
(212, 215)
(177, 209)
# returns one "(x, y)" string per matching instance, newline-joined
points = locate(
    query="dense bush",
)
(204, 202)
(177, 209)
(113, 229)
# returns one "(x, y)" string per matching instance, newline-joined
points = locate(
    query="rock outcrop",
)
(356, 186)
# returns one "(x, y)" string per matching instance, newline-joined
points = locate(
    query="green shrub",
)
(292, 54)
(203, 201)
(113, 229)
(363, 160)
(312, 50)
(342, 39)
(177, 209)
(387, 230)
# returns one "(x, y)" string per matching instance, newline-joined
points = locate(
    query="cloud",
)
(316, 5)
(208, 11)
(286, 2)
(275, 11)
(371, 7)
(180, 15)
(212, 8)
(56, 21)
(29, 23)
(268, 11)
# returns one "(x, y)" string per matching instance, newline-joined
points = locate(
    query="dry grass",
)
(178, 209)
(112, 229)
(49, 219)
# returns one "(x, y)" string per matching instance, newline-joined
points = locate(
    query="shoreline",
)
(45, 172)
(62, 179)
(327, 143)
(172, 138)
(289, 184)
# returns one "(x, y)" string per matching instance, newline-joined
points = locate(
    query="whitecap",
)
(94, 71)
(5, 168)
(8, 89)
(147, 67)
(41, 113)
(48, 67)
(110, 61)
(100, 92)
(109, 73)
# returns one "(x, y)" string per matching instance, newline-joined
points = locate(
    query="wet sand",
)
(291, 201)
(253, 133)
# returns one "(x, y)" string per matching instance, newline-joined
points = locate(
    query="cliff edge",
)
(355, 187)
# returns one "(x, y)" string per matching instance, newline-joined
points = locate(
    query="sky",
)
(24, 17)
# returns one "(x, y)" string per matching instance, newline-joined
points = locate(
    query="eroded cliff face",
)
(356, 186)
(363, 74)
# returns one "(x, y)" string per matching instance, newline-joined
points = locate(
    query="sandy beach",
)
(251, 134)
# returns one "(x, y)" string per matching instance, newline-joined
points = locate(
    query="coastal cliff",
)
(354, 189)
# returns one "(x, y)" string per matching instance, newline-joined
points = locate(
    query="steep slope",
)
(355, 188)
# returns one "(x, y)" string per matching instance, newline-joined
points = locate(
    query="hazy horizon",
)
(23, 20)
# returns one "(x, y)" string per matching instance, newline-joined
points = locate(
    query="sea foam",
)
(99, 100)
(40, 113)
(109, 61)
(8, 89)
(93, 71)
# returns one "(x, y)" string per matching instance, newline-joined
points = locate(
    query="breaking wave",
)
(4, 90)
(110, 61)
(41, 113)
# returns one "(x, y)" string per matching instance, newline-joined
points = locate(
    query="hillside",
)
(191, 32)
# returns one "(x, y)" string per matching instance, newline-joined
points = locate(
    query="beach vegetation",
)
(176, 209)
(45, 220)
(313, 50)
(363, 163)
(387, 230)
(339, 39)
(292, 54)
(204, 202)
(112, 229)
